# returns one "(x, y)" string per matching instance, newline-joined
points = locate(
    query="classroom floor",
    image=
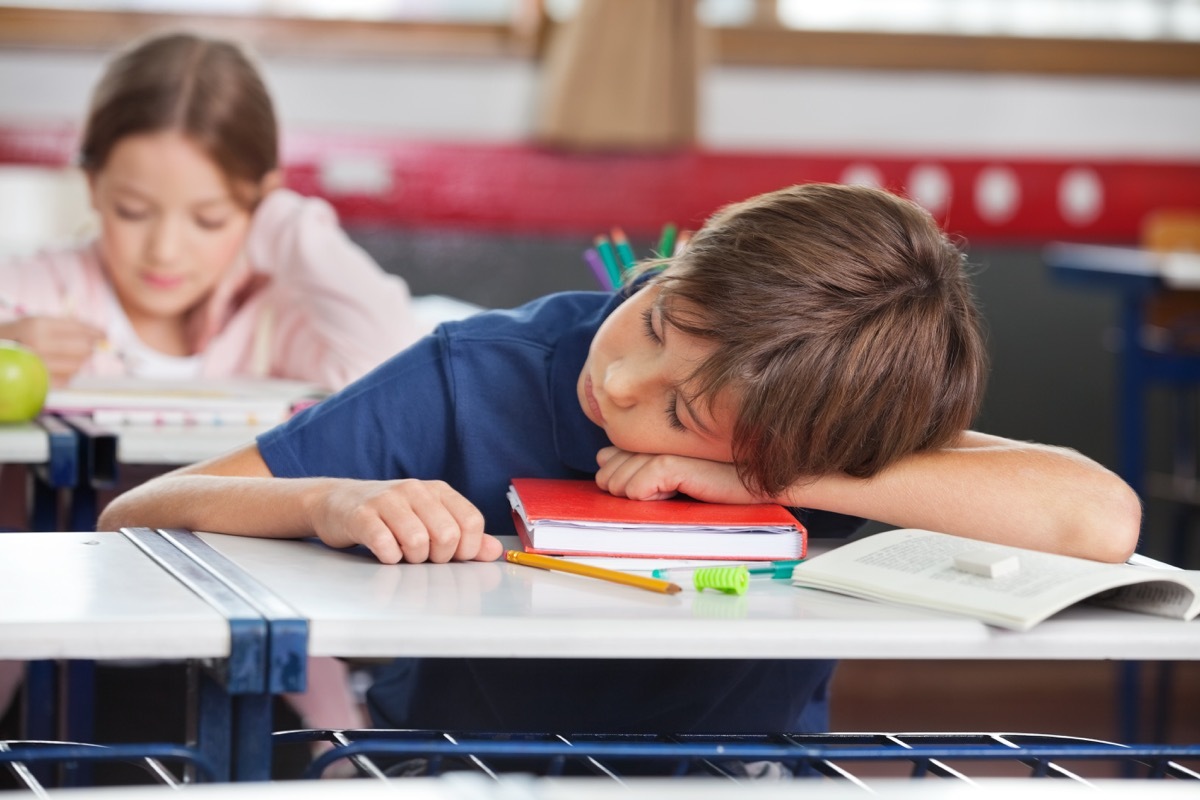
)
(1065, 697)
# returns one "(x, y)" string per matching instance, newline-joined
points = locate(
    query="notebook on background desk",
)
(138, 401)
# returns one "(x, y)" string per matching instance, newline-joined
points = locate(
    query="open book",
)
(1006, 586)
(575, 517)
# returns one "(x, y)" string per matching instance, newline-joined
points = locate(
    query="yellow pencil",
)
(546, 562)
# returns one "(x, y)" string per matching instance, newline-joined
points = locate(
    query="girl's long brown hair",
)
(207, 89)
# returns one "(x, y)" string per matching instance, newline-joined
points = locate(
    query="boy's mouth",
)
(591, 399)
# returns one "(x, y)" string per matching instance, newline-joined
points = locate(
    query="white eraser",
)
(988, 563)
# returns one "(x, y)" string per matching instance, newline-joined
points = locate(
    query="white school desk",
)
(357, 607)
(107, 595)
(90, 595)
(49, 449)
(96, 595)
(179, 445)
(23, 443)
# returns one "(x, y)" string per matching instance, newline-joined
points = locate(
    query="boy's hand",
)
(404, 520)
(641, 476)
(63, 344)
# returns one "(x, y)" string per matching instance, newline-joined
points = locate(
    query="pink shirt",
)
(326, 314)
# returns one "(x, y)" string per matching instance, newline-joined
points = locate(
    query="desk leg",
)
(252, 756)
(1132, 467)
(210, 717)
(83, 511)
(39, 710)
(78, 718)
(43, 508)
(214, 714)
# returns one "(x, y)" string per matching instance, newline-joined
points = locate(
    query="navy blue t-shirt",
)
(476, 403)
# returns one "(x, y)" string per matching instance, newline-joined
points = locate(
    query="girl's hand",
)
(208, 319)
(63, 344)
(403, 520)
(241, 280)
(640, 476)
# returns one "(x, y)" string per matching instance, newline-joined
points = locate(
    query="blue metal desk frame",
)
(268, 652)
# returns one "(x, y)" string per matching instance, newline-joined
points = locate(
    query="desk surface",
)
(23, 443)
(1131, 267)
(96, 595)
(360, 608)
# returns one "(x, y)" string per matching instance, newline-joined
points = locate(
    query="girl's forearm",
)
(994, 489)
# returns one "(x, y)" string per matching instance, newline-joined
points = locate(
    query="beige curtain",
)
(622, 74)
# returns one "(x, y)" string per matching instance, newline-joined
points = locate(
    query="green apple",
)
(23, 382)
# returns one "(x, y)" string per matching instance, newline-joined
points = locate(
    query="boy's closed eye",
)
(673, 412)
(648, 322)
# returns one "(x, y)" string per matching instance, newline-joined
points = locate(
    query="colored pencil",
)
(598, 269)
(605, 249)
(666, 241)
(628, 259)
(587, 570)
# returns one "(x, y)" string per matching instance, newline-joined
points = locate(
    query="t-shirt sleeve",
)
(395, 422)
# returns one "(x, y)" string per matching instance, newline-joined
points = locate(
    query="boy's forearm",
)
(267, 507)
(997, 490)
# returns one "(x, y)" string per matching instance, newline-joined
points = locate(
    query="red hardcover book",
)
(576, 517)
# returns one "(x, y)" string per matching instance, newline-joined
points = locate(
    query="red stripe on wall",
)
(525, 189)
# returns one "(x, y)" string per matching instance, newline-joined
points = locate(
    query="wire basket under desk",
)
(862, 760)
(34, 764)
(851, 757)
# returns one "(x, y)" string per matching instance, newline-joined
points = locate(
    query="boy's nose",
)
(624, 382)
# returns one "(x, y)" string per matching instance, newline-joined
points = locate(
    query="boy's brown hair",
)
(844, 327)
(206, 89)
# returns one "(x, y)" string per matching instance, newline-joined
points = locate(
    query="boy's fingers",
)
(611, 462)
(433, 524)
(413, 528)
(606, 454)
(490, 548)
(380, 540)
(635, 477)
(470, 526)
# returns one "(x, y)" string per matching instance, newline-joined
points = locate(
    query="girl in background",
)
(204, 266)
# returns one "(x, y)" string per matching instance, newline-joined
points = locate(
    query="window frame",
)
(758, 45)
